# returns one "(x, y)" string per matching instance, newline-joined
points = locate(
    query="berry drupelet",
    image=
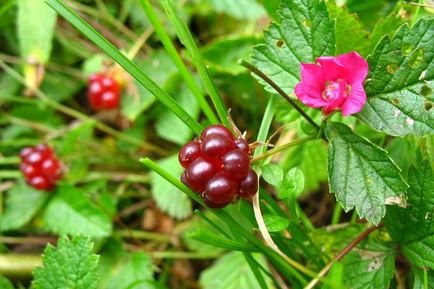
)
(40, 167)
(103, 92)
(217, 166)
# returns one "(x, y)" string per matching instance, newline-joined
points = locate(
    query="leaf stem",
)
(176, 58)
(281, 148)
(342, 254)
(262, 75)
(187, 40)
(9, 160)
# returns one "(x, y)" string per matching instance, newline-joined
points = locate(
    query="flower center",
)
(334, 90)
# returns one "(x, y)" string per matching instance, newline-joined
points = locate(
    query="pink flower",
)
(334, 83)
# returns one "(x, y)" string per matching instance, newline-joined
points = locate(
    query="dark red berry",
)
(34, 158)
(40, 183)
(213, 205)
(236, 164)
(183, 179)
(188, 153)
(216, 130)
(242, 145)
(45, 150)
(215, 146)
(51, 168)
(249, 186)
(28, 170)
(103, 92)
(198, 173)
(220, 189)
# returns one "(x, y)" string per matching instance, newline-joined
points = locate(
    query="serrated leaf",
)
(223, 54)
(71, 265)
(304, 33)
(347, 25)
(417, 220)
(361, 174)
(273, 174)
(384, 26)
(419, 279)
(71, 212)
(369, 267)
(240, 9)
(36, 22)
(400, 69)
(231, 271)
(420, 253)
(22, 203)
(169, 126)
(5, 283)
(293, 184)
(275, 223)
(169, 199)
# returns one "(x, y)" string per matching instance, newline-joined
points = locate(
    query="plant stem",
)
(342, 254)
(183, 255)
(9, 174)
(337, 211)
(176, 58)
(9, 160)
(78, 115)
(144, 235)
(28, 240)
(281, 148)
(187, 40)
(280, 91)
(19, 266)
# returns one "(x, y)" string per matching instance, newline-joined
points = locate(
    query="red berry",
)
(236, 164)
(198, 173)
(220, 189)
(45, 150)
(213, 205)
(249, 186)
(216, 130)
(34, 158)
(215, 146)
(29, 171)
(51, 168)
(103, 92)
(25, 152)
(40, 183)
(188, 153)
(242, 145)
(183, 179)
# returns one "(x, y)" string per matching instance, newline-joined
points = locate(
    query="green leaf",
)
(273, 174)
(419, 279)
(240, 9)
(22, 203)
(137, 99)
(293, 184)
(271, 6)
(420, 253)
(362, 175)
(304, 33)
(416, 221)
(370, 266)
(170, 199)
(131, 271)
(384, 26)
(348, 25)
(275, 223)
(231, 271)
(5, 283)
(71, 212)
(223, 54)
(170, 127)
(36, 22)
(70, 265)
(398, 86)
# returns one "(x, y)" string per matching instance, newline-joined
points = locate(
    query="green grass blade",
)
(123, 61)
(176, 58)
(187, 40)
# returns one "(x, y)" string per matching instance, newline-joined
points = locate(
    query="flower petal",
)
(331, 70)
(355, 101)
(356, 66)
(311, 77)
(307, 99)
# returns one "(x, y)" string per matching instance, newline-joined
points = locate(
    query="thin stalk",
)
(143, 235)
(187, 40)
(264, 77)
(9, 160)
(176, 58)
(281, 148)
(183, 255)
(124, 62)
(342, 254)
(6, 174)
(425, 279)
(78, 115)
(19, 266)
(337, 211)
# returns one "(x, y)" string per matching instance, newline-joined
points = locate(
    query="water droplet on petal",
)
(392, 68)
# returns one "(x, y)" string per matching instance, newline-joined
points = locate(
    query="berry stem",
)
(78, 115)
(281, 148)
(342, 254)
(264, 77)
